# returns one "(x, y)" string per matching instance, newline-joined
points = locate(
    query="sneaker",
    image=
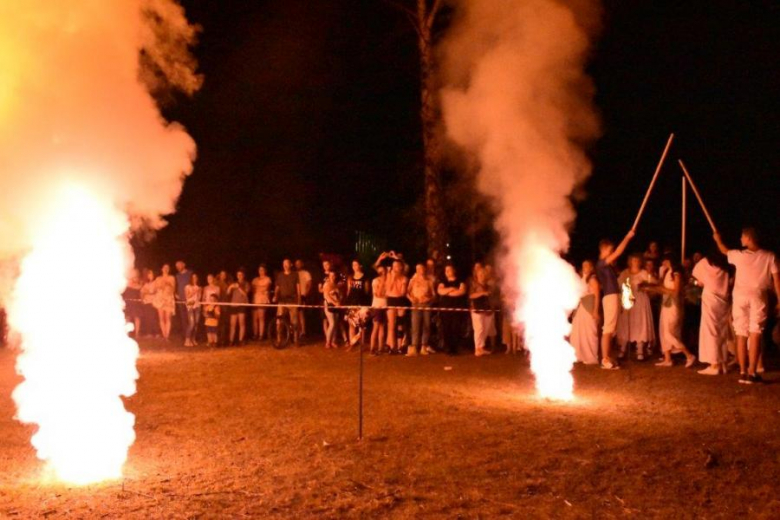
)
(755, 379)
(481, 353)
(690, 361)
(609, 365)
(424, 351)
(743, 379)
(710, 371)
(411, 352)
(664, 364)
(640, 357)
(429, 350)
(760, 370)
(187, 343)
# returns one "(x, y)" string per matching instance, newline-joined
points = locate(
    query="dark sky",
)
(307, 127)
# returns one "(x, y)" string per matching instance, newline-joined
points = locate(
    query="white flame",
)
(77, 360)
(551, 291)
(627, 297)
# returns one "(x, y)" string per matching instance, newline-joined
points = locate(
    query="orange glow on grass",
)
(77, 360)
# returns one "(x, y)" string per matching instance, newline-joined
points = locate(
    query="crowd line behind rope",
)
(336, 307)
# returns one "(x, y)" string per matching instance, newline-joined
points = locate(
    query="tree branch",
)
(410, 15)
(432, 13)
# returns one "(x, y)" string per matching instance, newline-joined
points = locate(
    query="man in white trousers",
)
(757, 273)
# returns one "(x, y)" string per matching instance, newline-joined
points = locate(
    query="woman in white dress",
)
(635, 325)
(712, 274)
(670, 322)
(584, 330)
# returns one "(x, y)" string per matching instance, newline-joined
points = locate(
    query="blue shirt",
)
(607, 278)
(182, 279)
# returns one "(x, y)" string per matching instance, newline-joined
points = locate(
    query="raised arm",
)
(719, 242)
(379, 260)
(621, 248)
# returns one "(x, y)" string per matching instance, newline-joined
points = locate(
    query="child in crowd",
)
(211, 313)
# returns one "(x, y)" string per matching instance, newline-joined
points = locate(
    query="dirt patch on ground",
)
(253, 432)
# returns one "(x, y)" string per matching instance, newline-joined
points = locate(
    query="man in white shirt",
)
(757, 273)
(304, 279)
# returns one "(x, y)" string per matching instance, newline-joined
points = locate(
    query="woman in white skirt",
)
(584, 328)
(635, 325)
(670, 322)
(712, 274)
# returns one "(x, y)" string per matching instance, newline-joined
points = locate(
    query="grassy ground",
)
(252, 432)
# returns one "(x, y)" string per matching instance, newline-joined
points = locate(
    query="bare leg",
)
(233, 322)
(256, 323)
(301, 322)
(742, 342)
(606, 344)
(261, 324)
(241, 327)
(137, 329)
(391, 336)
(754, 351)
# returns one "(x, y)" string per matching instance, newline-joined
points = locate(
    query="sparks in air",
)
(75, 376)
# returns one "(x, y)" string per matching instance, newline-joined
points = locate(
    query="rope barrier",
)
(334, 307)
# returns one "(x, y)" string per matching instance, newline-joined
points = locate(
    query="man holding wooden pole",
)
(610, 290)
(757, 272)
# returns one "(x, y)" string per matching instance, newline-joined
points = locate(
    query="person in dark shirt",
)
(451, 291)
(183, 276)
(610, 290)
(288, 291)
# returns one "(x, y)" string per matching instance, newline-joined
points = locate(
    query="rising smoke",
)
(75, 106)
(86, 158)
(516, 99)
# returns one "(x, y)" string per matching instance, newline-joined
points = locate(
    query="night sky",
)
(307, 128)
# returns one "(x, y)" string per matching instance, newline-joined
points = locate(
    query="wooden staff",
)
(698, 195)
(652, 183)
(684, 216)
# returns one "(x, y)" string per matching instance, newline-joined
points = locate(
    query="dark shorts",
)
(236, 310)
(211, 330)
(397, 301)
(380, 316)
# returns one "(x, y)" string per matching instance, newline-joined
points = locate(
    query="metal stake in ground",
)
(360, 394)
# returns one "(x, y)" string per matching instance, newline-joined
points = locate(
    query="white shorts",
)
(749, 313)
(611, 309)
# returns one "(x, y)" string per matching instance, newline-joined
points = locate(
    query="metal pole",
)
(684, 214)
(360, 395)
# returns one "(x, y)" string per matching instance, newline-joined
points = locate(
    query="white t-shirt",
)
(714, 279)
(754, 270)
(304, 279)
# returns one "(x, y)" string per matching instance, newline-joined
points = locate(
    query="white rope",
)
(334, 307)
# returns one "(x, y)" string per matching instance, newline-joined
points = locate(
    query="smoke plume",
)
(516, 99)
(85, 157)
(75, 106)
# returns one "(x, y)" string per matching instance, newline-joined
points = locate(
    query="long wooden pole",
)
(698, 195)
(684, 215)
(652, 183)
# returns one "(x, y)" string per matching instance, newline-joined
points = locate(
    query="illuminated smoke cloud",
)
(85, 159)
(517, 101)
